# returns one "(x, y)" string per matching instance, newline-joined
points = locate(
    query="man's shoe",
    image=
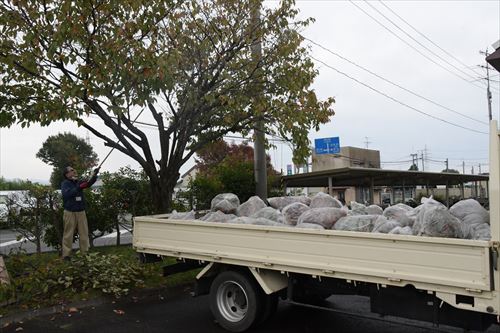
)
(67, 258)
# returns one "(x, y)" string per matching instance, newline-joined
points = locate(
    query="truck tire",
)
(235, 301)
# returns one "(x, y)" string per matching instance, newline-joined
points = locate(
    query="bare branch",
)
(117, 130)
(143, 143)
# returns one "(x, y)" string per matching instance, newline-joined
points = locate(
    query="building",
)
(186, 178)
(347, 158)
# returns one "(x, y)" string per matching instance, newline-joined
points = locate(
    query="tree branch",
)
(143, 142)
(164, 135)
(132, 152)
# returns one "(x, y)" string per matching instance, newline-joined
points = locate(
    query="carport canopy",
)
(370, 177)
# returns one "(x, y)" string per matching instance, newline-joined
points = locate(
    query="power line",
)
(469, 160)
(414, 48)
(437, 161)
(429, 40)
(396, 162)
(397, 101)
(155, 126)
(418, 42)
(393, 83)
(433, 43)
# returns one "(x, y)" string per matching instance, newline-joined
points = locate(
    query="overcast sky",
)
(369, 111)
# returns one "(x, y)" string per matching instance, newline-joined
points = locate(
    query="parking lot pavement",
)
(176, 311)
(166, 311)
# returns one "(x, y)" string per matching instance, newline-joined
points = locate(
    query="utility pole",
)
(479, 168)
(423, 157)
(259, 147)
(463, 167)
(488, 91)
(446, 162)
(414, 159)
(367, 143)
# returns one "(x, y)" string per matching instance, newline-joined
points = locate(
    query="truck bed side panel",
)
(441, 262)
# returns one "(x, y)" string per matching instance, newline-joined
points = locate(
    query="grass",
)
(29, 274)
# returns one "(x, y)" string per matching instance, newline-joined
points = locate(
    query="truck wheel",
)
(235, 300)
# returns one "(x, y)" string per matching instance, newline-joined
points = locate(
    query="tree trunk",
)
(161, 191)
(56, 221)
(38, 246)
(38, 236)
(117, 232)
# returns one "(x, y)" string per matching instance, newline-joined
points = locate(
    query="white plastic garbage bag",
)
(470, 212)
(481, 231)
(293, 211)
(255, 221)
(217, 216)
(324, 200)
(309, 226)
(436, 221)
(282, 202)
(271, 214)
(251, 206)
(225, 202)
(182, 216)
(430, 201)
(357, 208)
(324, 216)
(358, 222)
(386, 226)
(400, 213)
(418, 213)
(401, 231)
(374, 210)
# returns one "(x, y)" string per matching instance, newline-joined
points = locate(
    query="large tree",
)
(66, 149)
(190, 63)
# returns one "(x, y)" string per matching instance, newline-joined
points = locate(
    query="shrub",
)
(35, 281)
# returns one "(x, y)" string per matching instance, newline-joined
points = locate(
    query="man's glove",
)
(96, 171)
(84, 185)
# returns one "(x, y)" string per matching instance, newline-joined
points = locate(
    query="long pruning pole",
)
(104, 160)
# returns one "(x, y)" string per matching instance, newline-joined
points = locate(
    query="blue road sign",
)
(327, 146)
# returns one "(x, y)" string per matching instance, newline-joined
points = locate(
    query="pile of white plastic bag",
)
(466, 219)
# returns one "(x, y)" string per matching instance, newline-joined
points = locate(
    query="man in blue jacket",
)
(74, 210)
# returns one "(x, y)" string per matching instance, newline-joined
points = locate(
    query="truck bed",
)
(436, 264)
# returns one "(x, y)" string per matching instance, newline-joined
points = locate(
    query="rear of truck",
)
(494, 199)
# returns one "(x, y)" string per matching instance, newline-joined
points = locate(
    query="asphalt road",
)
(177, 311)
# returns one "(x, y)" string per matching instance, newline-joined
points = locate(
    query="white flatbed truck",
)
(247, 267)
